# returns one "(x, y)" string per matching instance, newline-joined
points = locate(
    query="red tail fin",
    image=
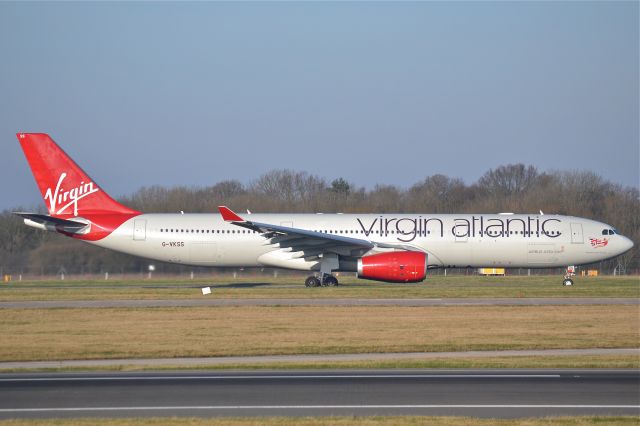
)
(66, 189)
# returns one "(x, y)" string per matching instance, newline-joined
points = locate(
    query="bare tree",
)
(508, 180)
(437, 194)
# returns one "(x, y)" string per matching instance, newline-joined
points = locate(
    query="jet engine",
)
(394, 267)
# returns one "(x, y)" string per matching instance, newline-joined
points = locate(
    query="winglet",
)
(228, 215)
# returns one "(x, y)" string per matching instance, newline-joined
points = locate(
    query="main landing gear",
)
(327, 281)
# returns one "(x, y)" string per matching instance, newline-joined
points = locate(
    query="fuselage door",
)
(139, 229)
(576, 233)
(461, 231)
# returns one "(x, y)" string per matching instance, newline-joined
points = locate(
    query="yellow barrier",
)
(491, 271)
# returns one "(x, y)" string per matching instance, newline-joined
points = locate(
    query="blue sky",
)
(195, 93)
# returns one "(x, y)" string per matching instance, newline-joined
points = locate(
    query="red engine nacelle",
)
(394, 267)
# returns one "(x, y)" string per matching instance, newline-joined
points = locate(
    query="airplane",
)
(396, 248)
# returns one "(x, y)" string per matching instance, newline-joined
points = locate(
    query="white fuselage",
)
(453, 240)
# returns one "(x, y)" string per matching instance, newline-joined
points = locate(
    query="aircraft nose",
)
(626, 245)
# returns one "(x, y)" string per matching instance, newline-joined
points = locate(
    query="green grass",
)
(436, 286)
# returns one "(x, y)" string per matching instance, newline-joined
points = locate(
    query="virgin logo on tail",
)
(69, 196)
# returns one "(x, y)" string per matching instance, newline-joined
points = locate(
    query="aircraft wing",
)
(309, 243)
(51, 223)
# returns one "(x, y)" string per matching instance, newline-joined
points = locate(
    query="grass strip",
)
(533, 362)
(261, 287)
(62, 334)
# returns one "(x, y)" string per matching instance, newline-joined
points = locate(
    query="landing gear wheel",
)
(570, 272)
(312, 282)
(330, 281)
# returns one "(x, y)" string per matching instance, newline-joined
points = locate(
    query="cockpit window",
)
(609, 231)
(605, 232)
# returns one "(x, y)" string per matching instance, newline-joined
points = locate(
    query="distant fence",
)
(273, 274)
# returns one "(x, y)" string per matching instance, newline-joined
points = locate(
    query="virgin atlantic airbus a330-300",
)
(382, 247)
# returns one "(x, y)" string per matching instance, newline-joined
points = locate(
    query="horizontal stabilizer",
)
(49, 223)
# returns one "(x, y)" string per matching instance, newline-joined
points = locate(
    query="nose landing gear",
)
(569, 273)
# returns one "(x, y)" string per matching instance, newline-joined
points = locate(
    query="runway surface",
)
(262, 359)
(212, 301)
(478, 393)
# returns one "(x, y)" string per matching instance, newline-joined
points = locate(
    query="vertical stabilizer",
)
(66, 189)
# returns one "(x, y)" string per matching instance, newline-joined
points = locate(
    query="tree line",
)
(513, 188)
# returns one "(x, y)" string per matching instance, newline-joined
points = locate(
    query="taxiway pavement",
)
(478, 393)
